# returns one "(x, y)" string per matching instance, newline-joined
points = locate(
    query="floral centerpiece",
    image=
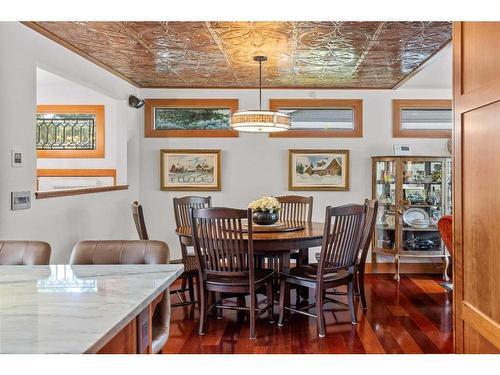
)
(265, 210)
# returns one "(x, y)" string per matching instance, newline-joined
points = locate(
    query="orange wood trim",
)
(356, 104)
(399, 104)
(77, 173)
(411, 268)
(481, 323)
(151, 132)
(458, 260)
(64, 193)
(98, 110)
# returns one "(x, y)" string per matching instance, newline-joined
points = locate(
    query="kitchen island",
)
(80, 309)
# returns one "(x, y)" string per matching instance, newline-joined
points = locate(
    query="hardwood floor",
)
(412, 317)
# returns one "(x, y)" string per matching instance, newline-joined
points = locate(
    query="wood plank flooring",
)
(414, 316)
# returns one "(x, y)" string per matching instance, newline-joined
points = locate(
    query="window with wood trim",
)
(70, 131)
(170, 118)
(421, 118)
(339, 118)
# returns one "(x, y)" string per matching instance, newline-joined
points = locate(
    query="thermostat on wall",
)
(400, 149)
(16, 158)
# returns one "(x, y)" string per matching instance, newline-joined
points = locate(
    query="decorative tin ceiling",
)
(219, 54)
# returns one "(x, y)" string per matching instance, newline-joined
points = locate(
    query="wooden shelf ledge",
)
(63, 193)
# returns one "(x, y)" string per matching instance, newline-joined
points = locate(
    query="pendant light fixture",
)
(262, 121)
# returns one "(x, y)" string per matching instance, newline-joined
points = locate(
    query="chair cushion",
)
(261, 275)
(24, 253)
(120, 252)
(309, 272)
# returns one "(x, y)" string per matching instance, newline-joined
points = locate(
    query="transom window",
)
(321, 117)
(422, 118)
(189, 117)
(70, 131)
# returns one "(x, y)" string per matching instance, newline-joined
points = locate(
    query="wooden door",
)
(476, 78)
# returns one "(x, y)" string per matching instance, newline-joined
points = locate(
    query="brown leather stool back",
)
(24, 253)
(131, 252)
(120, 252)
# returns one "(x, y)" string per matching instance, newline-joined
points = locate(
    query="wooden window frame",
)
(76, 173)
(151, 104)
(98, 152)
(399, 104)
(355, 104)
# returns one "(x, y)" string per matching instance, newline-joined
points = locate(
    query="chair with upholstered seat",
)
(131, 252)
(226, 262)
(189, 262)
(24, 253)
(336, 266)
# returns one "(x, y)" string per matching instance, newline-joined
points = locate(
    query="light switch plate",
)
(16, 158)
(20, 200)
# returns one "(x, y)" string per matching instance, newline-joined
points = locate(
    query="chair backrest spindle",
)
(183, 205)
(295, 208)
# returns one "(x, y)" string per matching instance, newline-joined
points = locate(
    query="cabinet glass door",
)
(385, 192)
(422, 205)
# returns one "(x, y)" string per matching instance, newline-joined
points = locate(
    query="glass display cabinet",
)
(413, 193)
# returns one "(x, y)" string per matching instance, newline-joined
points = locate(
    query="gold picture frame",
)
(319, 170)
(190, 170)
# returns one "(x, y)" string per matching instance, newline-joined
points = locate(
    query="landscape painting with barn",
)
(190, 170)
(319, 170)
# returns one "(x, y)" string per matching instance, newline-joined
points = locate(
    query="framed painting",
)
(318, 170)
(191, 170)
(179, 118)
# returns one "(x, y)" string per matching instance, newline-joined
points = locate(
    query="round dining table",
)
(277, 245)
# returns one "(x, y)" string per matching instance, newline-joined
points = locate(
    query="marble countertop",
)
(74, 309)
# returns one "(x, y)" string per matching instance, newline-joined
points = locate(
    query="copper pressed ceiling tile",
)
(219, 54)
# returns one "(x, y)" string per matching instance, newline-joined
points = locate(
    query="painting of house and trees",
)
(190, 170)
(318, 170)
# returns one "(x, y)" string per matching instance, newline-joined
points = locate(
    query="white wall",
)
(52, 89)
(254, 164)
(60, 221)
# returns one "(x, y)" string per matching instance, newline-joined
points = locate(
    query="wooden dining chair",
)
(189, 269)
(140, 225)
(225, 262)
(371, 207)
(296, 208)
(339, 251)
(182, 207)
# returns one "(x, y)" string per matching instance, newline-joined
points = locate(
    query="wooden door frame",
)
(463, 103)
